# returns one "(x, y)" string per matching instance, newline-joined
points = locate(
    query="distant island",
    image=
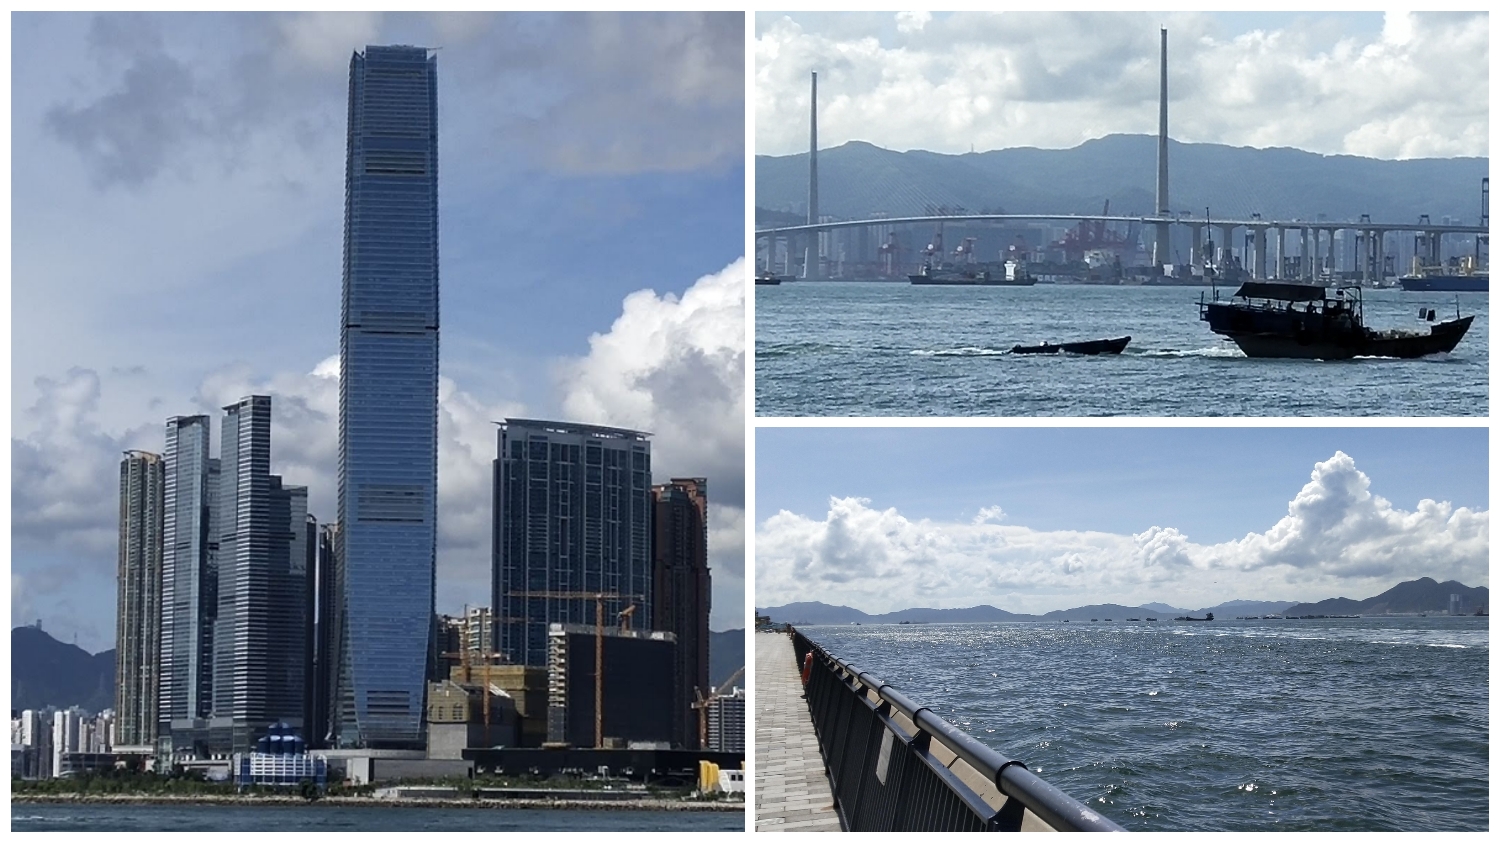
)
(1424, 595)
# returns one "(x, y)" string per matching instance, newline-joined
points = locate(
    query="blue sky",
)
(1111, 499)
(178, 181)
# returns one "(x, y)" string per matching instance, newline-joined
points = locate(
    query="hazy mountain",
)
(726, 654)
(1246, 607)
(46, 672)
(1423, 595)
(859, 180)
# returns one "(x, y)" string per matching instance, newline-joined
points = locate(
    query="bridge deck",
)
(791, 788)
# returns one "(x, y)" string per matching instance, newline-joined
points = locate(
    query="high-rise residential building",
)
(259, 635)
(138, 618)
(189, 584)
(680, 582)
(726, 723)
(387, 494)
(572, 519)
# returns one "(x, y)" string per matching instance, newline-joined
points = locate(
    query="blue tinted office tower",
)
(387, 494)
(138, 618)
(572, 518)
(258, 635)
(188, 588)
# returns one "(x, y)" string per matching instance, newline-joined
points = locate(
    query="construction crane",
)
(487, 658)
(703, 703)
(598, 597)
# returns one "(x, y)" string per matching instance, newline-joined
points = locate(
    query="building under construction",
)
(634, 686)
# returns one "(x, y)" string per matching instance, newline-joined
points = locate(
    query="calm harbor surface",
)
(106, 817)
(894, 349)
(1329, 725)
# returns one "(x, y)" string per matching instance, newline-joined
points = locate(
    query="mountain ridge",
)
(1424, 593)
(859, 180)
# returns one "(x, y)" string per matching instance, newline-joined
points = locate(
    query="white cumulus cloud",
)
(1337, 539)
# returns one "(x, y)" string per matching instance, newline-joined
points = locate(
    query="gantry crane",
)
(703, 703)
(598, 597)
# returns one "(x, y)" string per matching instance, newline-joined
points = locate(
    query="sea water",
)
(247, 818)
(894, 349)
(1332, 725)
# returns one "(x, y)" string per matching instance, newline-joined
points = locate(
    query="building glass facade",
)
(572, 518)
(260, 633)
(189, 586)
(387, 494)
(138, 618)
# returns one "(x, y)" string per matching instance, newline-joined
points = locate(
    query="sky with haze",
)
(182, 180)
(1035, 519)
(1395, 85)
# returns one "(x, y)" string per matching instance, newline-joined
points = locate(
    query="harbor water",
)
(894, 349)
(256, 818)
(1321, 725)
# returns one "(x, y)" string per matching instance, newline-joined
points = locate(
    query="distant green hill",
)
(726, 653)
(1423, 595)
(859, 180)
(45, 672)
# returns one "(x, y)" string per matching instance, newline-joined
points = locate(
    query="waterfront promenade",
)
(791, 788)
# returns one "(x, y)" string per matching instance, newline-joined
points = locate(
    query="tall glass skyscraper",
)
(189, 582)
(387, 496)
(572, 518)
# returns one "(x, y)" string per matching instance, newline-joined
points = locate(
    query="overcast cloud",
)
(1337, 539)
(178, 185)
(1419, 87)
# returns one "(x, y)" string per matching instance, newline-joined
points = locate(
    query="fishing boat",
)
(1114, 346)
(1273, 319)
(1191, 618)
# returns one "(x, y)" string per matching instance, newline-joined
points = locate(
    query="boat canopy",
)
(1281, 292)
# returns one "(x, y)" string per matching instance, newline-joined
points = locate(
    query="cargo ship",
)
(1462, 276)
(1478, 282)
(1010, 274)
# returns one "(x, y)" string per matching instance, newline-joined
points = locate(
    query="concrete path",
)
(791, 789)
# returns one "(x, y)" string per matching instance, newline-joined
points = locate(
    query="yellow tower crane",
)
(598, 597)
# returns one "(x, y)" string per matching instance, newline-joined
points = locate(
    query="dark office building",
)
(636, 692)
(323, 602)
(680, 579)
(259, 634)
(572, 519)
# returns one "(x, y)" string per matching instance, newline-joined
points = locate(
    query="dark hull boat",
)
(1303, 321)
(1476, 283)
(766, 279)
(1114, 346)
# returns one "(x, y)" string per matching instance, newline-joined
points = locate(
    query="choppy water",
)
(1328, 725)
(34, 817)
(892, 349)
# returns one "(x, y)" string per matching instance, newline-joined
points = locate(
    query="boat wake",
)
(1213, 351)
(968, 351)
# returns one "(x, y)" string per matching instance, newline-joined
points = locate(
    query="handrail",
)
(885, 777)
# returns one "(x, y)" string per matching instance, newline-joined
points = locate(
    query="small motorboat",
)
(1114, 346)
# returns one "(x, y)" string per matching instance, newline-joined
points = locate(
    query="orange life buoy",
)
(806, 668)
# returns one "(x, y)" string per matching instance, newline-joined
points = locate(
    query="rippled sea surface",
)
(242, 818)
(1333, 725)
(893, 349)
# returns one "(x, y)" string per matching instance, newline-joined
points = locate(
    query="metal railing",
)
(896, 766)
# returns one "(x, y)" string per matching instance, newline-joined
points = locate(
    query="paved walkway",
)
(791, 788)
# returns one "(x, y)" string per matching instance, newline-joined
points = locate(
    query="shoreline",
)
(371, 802)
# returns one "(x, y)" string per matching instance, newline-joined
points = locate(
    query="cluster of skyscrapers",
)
(238, 611)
